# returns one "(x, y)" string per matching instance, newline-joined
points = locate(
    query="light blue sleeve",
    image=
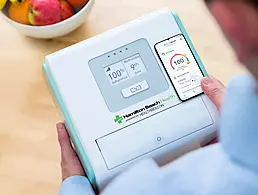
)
(76, 185)
(239, 121)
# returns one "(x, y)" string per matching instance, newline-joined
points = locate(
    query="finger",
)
(67, 151)
(214, 141)
(214, 89)
(70, 162)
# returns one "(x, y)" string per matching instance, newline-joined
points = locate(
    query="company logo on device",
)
(119, 119)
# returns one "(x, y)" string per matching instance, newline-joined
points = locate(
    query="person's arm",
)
(76, 185)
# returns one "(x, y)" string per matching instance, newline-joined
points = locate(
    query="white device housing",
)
(105, 147)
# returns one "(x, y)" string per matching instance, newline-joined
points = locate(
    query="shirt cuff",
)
(76, 185)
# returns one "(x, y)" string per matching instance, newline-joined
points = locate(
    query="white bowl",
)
(55, 30)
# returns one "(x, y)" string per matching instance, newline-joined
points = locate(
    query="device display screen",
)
(181, 66)
(125, 69)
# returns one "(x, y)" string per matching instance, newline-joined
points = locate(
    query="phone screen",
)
(181, 66)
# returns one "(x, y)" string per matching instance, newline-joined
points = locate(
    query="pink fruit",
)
(44, 12)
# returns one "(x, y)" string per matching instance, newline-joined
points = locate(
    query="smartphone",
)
(181, 66)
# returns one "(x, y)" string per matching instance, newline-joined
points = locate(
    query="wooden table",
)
(29, 152)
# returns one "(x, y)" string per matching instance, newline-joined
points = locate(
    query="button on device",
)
(159, 139)
(134, 89)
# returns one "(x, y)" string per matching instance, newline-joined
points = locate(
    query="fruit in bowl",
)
(67, 10)
(18, 12)
(42, 12)
(29, 16)
(2, 3)
(78, 3)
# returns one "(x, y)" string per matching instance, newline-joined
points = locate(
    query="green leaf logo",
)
(119, 119)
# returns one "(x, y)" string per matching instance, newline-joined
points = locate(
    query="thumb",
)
(67, 151)
(214, 89)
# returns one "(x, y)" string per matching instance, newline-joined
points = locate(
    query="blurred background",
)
(29, 152)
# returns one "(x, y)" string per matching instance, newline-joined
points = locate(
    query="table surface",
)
(29, 152)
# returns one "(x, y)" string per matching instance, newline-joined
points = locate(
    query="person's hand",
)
(215, 90)
(70, 163)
